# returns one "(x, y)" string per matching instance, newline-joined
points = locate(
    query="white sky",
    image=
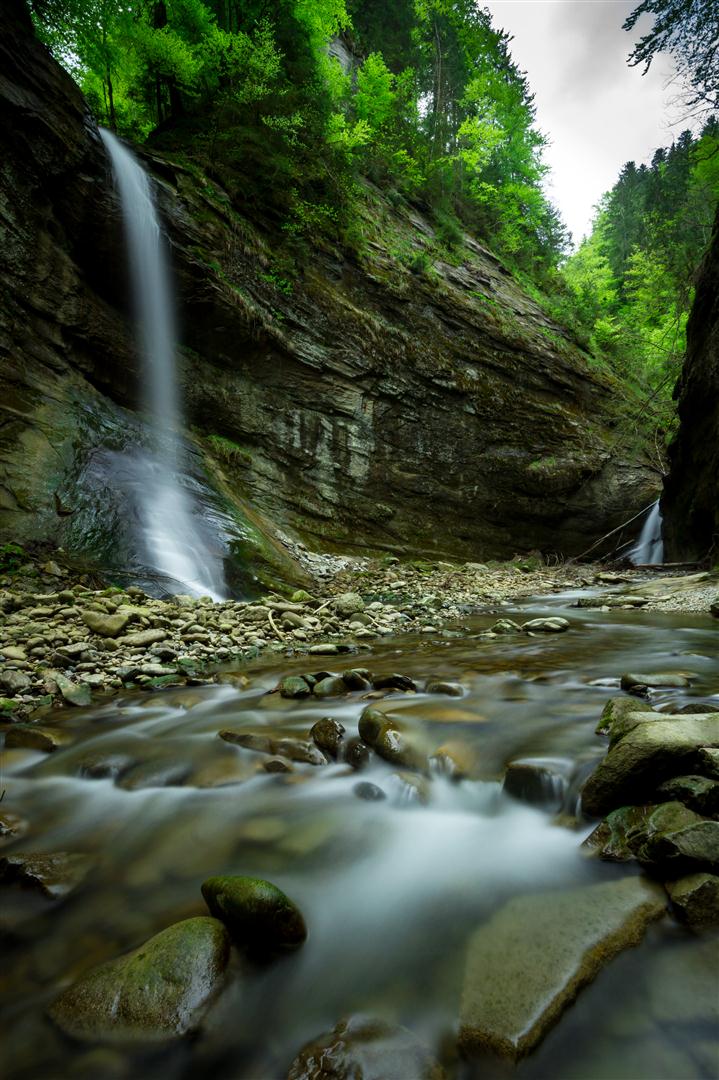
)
(596, 110)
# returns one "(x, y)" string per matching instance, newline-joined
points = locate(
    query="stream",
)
(390, 889)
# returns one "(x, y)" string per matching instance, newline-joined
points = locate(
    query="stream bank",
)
(405, 876)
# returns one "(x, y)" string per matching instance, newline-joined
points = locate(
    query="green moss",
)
(229, 452)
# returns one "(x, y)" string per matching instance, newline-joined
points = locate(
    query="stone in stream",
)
(552, 625)
(156, 992)
(33, 737)
(357, 754)
(675, 840)
(669, 681)
(699, 793)
(613, 837)
(394, 682)
(505, 626)
(73, 693)
(620, 715)
(533, 957)
(363, 1048)
(303, 750)
(333, 686)
(56, 875)
(327, 734)
(384, 733)
(258, 915)
(103, 766)
(538, 781)
(109, 626)
(456, 759)
(295, 686)
(436, 686)
(695, 899)
(12, 828)
(645, 757)
(151, 774)
(369, 792)
(357, 678)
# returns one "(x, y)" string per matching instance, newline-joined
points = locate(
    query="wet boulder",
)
(676, 840)
(553, 625)
(327, 734)
(529, 962)
(538, 781)
(258, 915)
(385, 734)
(450, 689)
(35, 737)
(156, 992)
(613, 838)
(363, 1048)
(621, 715)
(699, 793)
(695, 899)
(295, 686)
(661, 681)
(645, 757)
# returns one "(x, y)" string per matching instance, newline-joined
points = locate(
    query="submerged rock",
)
(538, 781)
(158, 991)
(645, 757)
(56, 875)
(530, 961)
(35, 737)
(257, 914)
(363, 1048)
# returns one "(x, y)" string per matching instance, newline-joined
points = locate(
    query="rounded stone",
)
(258, 915)
(327, 734)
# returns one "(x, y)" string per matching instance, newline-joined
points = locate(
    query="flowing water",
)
(649, 549)
(391, 890)
(172, 535)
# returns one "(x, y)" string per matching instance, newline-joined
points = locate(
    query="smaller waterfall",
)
(172, 535)
(649, 549)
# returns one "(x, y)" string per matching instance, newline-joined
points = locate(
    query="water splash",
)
(649, 549)
(174, 540)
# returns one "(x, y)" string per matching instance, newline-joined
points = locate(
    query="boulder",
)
(697, 792)
(295, 686)
(645, 757)
(553, 625)
(451, 689)
(327, 734)
(73, 693)
(622, 714)
(532, 958)
(347, 604)
(258, 915)
(612, 839)
(695, 899)
(538, 781)
(676, 840)
(363, 1048)
(156, 992)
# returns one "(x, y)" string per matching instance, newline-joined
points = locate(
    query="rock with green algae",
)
(699, 793)
(258, 915)
(675, 839)
(621, 715)
(109, 626)
(156, 992)
(295, 686)
(363, 1048)
(73, 693)
(612, 838)
(695, 899)
(531, 960)
(645, 757)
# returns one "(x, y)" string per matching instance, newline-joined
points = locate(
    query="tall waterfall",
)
(171, 534)
(649, 549)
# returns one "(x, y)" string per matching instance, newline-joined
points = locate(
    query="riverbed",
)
(391, 888)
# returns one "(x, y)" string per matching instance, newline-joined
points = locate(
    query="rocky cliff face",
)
(361, 405)
(691, 496)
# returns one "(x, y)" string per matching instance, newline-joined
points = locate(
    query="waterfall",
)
(649, 549)
(171, 532)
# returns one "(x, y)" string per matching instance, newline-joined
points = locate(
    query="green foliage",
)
(12, 556)
(631, 280)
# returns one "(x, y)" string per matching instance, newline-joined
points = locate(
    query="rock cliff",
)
(691, 495)
(394, 401)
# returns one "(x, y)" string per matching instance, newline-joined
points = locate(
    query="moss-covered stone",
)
(257, 914)
(620, 715)
(158, 991)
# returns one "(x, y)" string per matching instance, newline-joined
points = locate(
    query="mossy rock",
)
(258, 915)
(157, 992)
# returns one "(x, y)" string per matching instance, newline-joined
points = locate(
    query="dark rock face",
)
(368, 408)
(691, 494)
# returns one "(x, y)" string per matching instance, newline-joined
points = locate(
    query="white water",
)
(649, 549)
(172, 536)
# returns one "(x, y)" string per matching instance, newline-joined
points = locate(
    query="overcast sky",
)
(596, 110)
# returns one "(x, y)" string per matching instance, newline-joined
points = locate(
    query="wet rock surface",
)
(258, 915)
(56, 875)
(155, 993)
(365, 1049)
(529, 962)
